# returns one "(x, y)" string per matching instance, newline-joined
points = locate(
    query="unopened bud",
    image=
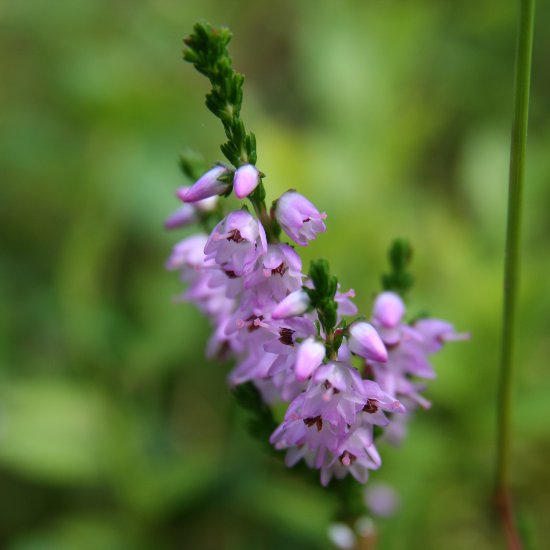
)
(366, 342)
(246, 179)
(388, 309)
(309, 356)
(185, 215)
(206, 186)
(296, 303)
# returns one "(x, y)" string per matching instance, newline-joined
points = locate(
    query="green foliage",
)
(191, 165)
(262, 423)
(207, 51)
(399, 279)
(67, 421)
(322, 294)
(350, 499)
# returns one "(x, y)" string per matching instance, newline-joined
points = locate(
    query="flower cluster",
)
(340, 377)
(295, 338)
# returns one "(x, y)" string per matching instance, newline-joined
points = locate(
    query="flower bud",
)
(189, 252)
(309, 356)
(246, 179)
(435, 333)
(388, 309)
(204, 205)
(206, 186)
(207, 205)
(185, 215)
(296, 303)
(381, 500)
(342, 536)
(300, 220)
(365, 341)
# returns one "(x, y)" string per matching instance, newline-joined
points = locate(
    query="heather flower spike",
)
(295, 338)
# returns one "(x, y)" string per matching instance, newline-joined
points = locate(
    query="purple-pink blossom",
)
(309, 356)
(245, 180)
(299, 218)
(236, 243)
(208, 185)
(294, 304)
(365, 341)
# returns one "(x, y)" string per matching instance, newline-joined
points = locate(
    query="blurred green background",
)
(394, 117)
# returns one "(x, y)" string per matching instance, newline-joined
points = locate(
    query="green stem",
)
(512, 258)
(329, 344)
(270, 225)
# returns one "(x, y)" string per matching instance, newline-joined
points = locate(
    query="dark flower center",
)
(235, 235)
(371, 406)
(285, 336)
(328, 386)
(347, 459)
(281, 270)
(251, 325)
(317, 420)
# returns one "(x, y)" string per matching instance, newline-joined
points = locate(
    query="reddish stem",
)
(504, 507)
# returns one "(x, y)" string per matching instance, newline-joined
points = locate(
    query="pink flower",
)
(184, 215)
(188, 214)
(435, 333)
(365, 341)
(189, 252)
(206, 186)
(309, 356)
(236, 243)
(245, 180)
(300, 220)
(381, 500)
(278, 273)
(388, 309)
(296, 303)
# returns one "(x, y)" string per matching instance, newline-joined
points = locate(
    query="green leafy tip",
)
(261, 423)
(191, 164)
(399, 279)
(322, 299)
(207, 50)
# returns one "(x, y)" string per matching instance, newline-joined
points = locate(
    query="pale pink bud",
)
(185, 215)
(342, 536)
(388, 309)
(365, 341)
(206, 186)
(207, 205)
(296, 303)
(246, 179)
(309, 356)
(382, 500)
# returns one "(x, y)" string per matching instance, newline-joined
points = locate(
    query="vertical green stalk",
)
(512, 261)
